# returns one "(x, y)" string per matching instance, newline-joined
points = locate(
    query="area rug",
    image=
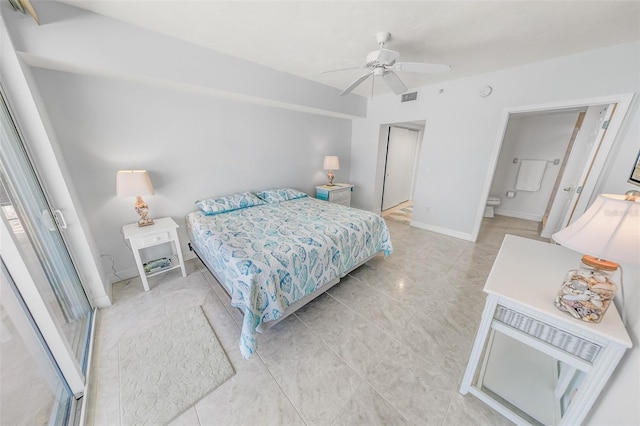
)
(168, 368)
(402, 215)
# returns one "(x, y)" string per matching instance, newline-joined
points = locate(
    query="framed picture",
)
(635, 173)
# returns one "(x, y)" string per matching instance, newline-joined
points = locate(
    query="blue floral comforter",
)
(271, 255)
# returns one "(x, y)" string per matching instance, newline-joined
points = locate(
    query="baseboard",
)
(104, 301)
(546, 234)
(444, 231)
(124, 274)
(519, 215)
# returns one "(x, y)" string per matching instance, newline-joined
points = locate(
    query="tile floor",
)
(388, 345)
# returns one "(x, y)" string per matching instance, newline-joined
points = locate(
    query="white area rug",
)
(170, 367)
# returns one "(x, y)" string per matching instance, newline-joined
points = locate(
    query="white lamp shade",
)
(331, 162)
(133, 183)
(609, 229)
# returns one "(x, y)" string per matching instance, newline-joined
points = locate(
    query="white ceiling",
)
(305, 37)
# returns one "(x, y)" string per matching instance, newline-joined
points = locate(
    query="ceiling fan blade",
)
(30, 9)
(355, 84)
(343, 69)
(422, 67)
(394, 82)
(17, 6)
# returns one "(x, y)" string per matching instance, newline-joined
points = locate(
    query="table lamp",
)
(608, 232)
(135, 183)
(331, 163)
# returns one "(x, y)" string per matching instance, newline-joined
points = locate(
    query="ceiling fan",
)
(382, 63)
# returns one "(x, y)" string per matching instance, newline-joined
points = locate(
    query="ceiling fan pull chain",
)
(373, 79)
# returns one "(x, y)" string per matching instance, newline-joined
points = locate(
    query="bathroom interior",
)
(543, 158)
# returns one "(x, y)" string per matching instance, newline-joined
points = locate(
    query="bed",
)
(275, 250)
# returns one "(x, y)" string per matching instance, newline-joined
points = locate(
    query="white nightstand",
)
(340, 193)
(163, 231)
(539, 364)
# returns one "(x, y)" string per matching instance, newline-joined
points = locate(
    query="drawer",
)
(342, 197)
(151, 240)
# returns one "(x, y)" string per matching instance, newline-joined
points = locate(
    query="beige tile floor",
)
(387, 345)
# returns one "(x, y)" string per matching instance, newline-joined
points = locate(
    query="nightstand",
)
(531, 362)
(340, 193)
(163, 231)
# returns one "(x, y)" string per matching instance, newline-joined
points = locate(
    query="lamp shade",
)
(133, 183)
(331, 162)
(609, 229)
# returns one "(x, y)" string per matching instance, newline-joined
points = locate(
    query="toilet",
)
(491, 203)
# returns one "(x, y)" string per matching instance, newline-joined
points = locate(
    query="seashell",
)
(575, 297)
(572, 311)
(570, 273)
(597, 302)
(599, 277)
(583, 274)
(604, 286)
(579, 285)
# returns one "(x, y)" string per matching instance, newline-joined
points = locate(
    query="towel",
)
(530, 175)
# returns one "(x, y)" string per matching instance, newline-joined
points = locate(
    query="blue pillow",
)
(281, 194)
(228, 203)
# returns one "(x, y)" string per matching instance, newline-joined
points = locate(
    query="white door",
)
(580, 159)
(401, 156)
(591, 171)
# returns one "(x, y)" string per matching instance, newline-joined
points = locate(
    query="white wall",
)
(194, 146)
(203, 123)
(533, 137)
(60, 192)
(460, 133)
(461, 129)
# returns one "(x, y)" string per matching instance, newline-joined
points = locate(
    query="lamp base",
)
(145, 222)
(588, 291)
(330, 175)
(143, 211)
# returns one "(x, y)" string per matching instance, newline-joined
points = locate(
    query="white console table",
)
(530, 361)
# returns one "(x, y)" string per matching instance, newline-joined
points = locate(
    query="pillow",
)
(281, 194)
(228, 203)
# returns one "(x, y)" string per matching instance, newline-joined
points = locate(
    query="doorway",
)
(581, 163)
(402, 147)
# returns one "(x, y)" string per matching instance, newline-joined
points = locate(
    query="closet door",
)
(401, 157)
(58, 302)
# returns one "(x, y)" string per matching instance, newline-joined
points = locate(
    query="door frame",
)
(623, 102)
(383, 143)
(419, 131)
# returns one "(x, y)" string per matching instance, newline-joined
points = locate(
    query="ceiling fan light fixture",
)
(382, 62)
(382, 57)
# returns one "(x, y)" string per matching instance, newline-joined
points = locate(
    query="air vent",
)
(407, 97)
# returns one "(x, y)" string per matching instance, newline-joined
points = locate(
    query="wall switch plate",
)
(511, 194)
